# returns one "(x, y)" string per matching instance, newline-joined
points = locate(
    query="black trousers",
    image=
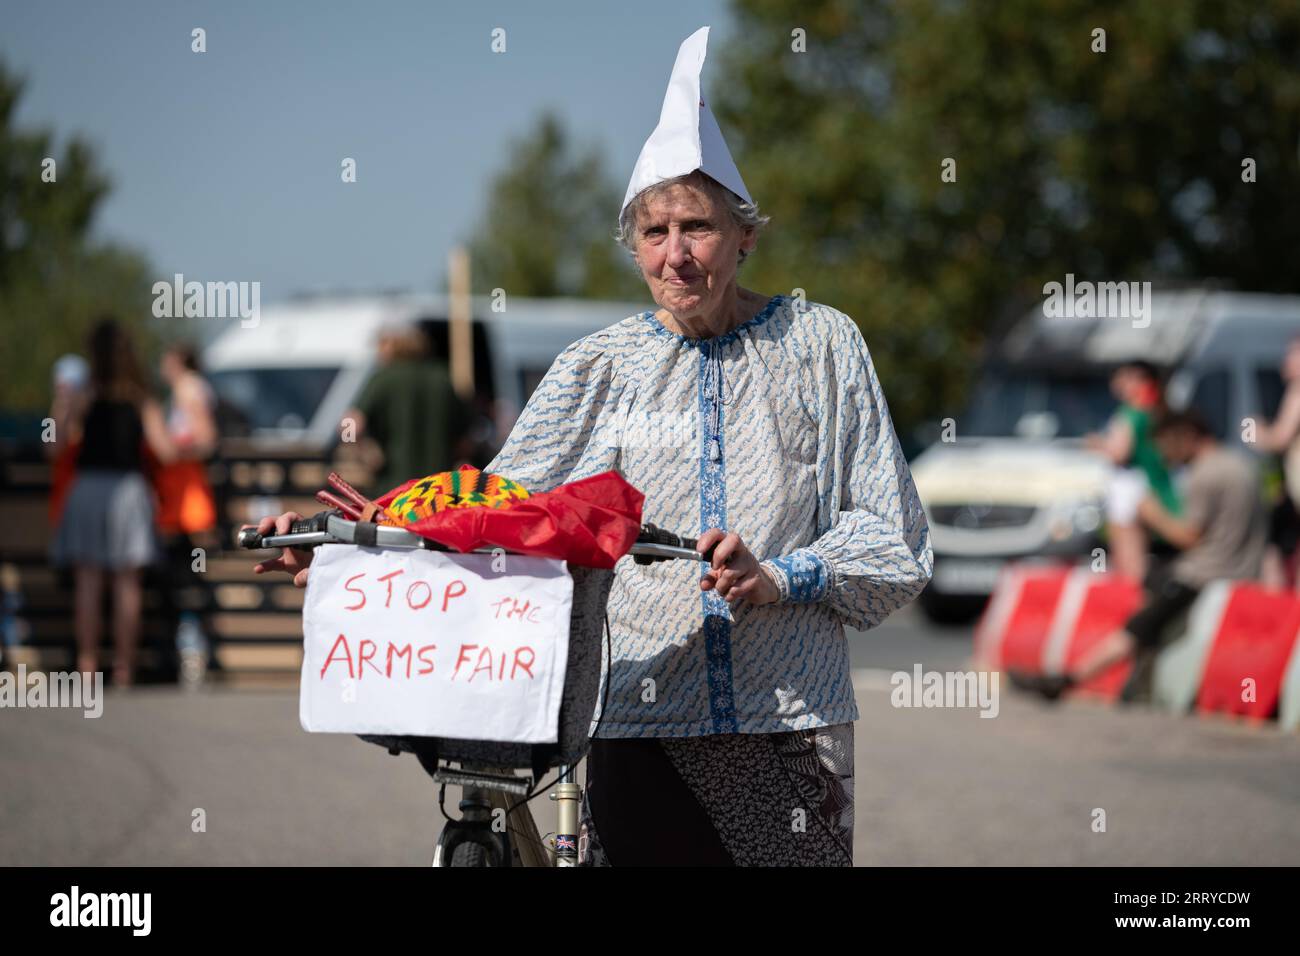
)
(644, 812)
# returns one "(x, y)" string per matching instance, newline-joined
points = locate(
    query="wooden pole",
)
(461, 335)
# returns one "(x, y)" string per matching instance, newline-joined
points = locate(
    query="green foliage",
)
(1125, 164)
(54, 281)
(548, 224)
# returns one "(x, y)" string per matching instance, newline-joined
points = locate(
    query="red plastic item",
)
(1108, 604)
(591, 523)
(1021, 643)
(1255, 639)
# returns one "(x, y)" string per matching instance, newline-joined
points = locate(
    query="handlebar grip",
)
(316, 522)
(252, 541)
(653, 534)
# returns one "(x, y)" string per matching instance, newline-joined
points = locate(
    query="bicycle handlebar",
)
(317, 524)
(329, 527)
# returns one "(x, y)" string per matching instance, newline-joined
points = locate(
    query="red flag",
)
(592, 523)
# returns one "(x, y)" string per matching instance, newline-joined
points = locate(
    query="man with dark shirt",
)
(1221, 534)
(410, 410)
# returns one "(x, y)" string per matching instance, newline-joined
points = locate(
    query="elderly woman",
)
(725, 732)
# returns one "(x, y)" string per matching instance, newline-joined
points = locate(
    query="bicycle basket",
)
(577, 706)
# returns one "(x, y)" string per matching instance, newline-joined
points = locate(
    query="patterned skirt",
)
(782, 799)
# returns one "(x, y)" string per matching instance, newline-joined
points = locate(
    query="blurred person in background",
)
(409, 409)
(1281, 436)
(106, 532)
(71, 377)
(1220, 535)
(187, 510)
(1129, 444)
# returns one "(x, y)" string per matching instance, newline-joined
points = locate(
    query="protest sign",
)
(436, 644)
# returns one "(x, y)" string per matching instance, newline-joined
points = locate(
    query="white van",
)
(1016, 481)
(289, 379)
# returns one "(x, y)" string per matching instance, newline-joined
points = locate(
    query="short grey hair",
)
(743, 214)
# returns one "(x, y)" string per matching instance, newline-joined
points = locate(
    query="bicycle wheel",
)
(469, 853)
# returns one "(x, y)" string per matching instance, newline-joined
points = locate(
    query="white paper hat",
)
(687, 137)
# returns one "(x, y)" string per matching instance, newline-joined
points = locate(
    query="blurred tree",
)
(548, 226)
(1123, 164)
(54, 281)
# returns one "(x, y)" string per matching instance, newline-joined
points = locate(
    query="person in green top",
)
(1129, 442)
(410, 410)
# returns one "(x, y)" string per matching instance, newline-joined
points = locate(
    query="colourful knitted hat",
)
(467, 487)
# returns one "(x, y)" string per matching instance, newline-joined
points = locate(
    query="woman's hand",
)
(295, 561)
(735, 572)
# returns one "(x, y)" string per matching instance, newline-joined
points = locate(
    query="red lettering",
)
(518, 611)
(330, 658)
(389, 579)
(425, 660)
(404, 652)
(448, 595)
(501, 673)
(428, 596)
(347, 585)
(363, 658)
(462, 658)
(486, 652)
(498, 604)
(527, 668)
(532, 615)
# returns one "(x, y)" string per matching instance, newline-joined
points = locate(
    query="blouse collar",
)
(692, 342)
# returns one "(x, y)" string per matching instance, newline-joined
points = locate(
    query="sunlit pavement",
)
(934, 786)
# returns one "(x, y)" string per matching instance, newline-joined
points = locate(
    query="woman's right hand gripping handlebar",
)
(294, 561)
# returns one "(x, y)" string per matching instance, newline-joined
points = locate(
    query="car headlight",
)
(1072, 517)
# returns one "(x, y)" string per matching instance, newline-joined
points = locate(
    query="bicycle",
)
(493, 795)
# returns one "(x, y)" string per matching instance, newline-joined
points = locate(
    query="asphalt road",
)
(934, 786)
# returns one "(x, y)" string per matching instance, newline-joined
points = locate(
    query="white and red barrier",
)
(1180, 665)
(1248, 658)
(1288, 710)
(1239, 655)
(1013, 629)
(1045, 618)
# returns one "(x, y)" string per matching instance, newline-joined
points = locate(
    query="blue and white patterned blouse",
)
(777, 430)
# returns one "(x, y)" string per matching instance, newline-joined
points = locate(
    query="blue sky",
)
(226, 164)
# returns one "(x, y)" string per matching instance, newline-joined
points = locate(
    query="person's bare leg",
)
(1128, 550)
(86, 605)
(1272, 570)
(1107, 652)
(127, 599)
